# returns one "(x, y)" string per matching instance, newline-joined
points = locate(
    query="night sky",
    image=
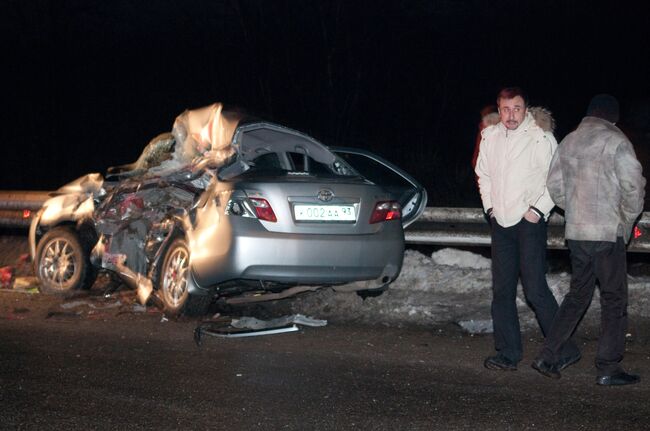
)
(87, 84)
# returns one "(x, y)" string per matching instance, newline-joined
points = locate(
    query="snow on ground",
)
(451, 286)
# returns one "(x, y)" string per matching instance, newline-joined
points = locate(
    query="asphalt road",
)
(104, 364)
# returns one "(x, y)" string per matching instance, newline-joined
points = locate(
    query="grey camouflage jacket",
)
(596, 177)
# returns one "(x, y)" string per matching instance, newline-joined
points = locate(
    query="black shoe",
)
(500, 363)
(546, 369)
(619, 379)
(567, 362)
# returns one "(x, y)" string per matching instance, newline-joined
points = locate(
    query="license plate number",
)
(324, 212)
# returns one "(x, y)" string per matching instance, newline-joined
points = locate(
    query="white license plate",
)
(324, 212)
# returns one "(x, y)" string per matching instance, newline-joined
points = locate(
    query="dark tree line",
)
(91, 82)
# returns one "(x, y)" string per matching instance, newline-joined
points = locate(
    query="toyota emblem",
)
(325, 195)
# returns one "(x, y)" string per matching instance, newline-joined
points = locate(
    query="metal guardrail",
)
(436, 226)
(469, 227)
(18, 207)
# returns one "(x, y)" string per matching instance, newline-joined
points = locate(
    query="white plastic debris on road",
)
(252, 327)
(247, 322)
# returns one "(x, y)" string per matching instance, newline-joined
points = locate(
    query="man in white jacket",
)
(513, 163)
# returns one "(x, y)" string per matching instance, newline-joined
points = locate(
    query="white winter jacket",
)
(512, 168)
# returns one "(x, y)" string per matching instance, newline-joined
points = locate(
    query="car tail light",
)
(263, 209)
(251, 207)
(27, 214)
(637, 232)
(386, 210)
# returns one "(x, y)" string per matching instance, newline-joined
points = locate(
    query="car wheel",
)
(173, 285)
(62, 262)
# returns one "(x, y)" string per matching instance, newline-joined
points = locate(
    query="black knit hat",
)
(604, 106)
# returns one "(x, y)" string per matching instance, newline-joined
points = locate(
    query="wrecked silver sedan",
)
(232, 207)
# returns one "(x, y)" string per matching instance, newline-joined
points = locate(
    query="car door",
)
(405, 189)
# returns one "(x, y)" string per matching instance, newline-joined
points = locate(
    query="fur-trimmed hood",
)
(536, 116)
(543, 118)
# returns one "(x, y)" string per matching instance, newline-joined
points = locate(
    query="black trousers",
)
(520, 250)
(591, 261)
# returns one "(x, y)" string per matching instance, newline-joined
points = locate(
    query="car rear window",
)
(291, 162)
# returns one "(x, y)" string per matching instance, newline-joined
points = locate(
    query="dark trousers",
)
(591, 261)
(520, 250)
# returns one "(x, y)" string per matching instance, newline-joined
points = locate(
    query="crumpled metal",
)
(247, 322)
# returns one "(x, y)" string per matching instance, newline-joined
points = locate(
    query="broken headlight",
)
(239, 207)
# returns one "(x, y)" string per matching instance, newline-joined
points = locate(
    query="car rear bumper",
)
(300, 258)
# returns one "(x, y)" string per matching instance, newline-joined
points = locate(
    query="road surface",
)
(103, 363)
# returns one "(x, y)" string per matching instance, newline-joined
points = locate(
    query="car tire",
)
(172, 283)
(62, 262)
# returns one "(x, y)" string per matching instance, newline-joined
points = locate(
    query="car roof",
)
(260, 137)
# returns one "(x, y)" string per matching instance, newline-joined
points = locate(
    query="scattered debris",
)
(63, 314)
(7, 277)
(24, 265)
(252, 327)
(256, 324)
(138, 308)
(76, 304)
(133, 308)
(229, 332)
(18, 276)
(25, 283)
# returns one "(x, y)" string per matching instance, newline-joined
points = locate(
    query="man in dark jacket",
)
(596, 177)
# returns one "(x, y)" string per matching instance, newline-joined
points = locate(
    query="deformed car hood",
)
(218, 138)
(205, 132)
(89, 183)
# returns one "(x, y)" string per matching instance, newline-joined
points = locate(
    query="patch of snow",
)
(477, 326)
(461, 259)
(432, 290)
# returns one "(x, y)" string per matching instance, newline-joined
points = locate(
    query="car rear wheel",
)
(173, 283)
(62, 262)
